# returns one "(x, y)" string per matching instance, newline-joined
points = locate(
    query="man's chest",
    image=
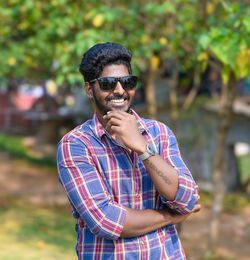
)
(125, 176)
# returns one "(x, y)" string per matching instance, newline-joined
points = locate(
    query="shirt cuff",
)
(186, 196)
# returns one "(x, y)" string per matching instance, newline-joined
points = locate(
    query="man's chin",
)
(122, 109)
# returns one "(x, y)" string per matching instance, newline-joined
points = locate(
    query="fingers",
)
(196, 208)
(112, 122)
(116, 114)
(119, 118)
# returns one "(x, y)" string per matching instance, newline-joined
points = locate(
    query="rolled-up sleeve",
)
(187, 193)
(86, 189)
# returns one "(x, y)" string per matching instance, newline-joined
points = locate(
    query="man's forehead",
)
(115, 70)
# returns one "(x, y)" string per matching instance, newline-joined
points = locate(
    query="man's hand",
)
(178, 218)
(124, 126)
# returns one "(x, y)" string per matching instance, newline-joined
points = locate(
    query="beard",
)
(102, 104)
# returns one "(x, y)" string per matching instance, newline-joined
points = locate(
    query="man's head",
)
(107, 73)
(102, 54)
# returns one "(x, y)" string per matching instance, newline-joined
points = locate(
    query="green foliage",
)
(227, 39)
(45, 39)
(244, 168)
(14, 146)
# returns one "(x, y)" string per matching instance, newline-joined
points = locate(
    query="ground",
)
(39, 186)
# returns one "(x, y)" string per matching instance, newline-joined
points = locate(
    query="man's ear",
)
(88, 90)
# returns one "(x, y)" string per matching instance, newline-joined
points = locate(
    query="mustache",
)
(124, 96)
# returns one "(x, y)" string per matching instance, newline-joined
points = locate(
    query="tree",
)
(37, 48)
(226, 45)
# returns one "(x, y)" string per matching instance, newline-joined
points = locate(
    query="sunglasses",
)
(109, 83)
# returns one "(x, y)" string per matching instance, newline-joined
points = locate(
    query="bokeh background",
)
(193, 62)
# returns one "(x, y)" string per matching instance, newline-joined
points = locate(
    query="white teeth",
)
(117, 101)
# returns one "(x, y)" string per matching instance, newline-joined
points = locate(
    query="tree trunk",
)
(174, 112)
(193, 92)
(227, 98)
(150, 94)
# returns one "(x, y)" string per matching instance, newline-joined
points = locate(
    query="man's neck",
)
(101, 120)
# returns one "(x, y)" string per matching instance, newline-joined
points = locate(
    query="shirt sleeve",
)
(187, 193)
(86, 189)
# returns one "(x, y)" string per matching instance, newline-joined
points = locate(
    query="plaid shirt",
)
(101, 176)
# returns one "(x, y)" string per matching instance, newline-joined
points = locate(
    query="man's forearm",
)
(140, 222)
(163, 175)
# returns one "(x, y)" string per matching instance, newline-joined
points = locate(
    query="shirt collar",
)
(99, 130)
(97, 127)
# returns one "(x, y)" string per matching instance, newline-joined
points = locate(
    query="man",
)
(123, 174)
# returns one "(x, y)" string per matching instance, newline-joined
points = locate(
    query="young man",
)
(123, 174)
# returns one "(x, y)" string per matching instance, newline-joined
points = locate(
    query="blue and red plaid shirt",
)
(101, 176)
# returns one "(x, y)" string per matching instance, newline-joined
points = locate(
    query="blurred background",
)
(193, 62)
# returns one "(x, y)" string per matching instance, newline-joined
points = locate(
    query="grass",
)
(33, 232)
(14, 146)
(29, 232)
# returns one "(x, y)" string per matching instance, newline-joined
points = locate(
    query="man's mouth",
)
(117, 101)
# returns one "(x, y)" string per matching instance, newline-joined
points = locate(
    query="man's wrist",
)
(150, 151)
(142, 149)
(168, 218)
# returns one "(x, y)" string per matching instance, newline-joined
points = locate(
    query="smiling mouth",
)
(117, 101)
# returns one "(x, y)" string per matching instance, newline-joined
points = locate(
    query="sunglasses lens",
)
(107, 83)
(129, 82)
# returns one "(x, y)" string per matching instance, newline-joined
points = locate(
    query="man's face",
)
(112, 100)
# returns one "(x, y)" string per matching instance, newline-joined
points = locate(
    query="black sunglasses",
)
(109, 83)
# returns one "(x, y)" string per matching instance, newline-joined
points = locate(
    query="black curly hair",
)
(102, 54)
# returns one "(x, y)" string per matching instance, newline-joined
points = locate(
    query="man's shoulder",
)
(155, 124)
(81, 131)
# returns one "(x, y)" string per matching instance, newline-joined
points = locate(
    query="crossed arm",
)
(152, 220)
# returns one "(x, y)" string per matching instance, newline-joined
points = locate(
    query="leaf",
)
(246, 22)
(12, 61)
(98, 20)
(210, 7)
(154, 62)
(163, 41)
(243, 62)
(204, 41)
(202, 56)
(225, 74)
(225, 46)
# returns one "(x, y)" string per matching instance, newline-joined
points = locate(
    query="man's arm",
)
(140, 222)
(168, 172)
(163, 175)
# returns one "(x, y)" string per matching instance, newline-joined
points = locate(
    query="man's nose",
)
(118, 88)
